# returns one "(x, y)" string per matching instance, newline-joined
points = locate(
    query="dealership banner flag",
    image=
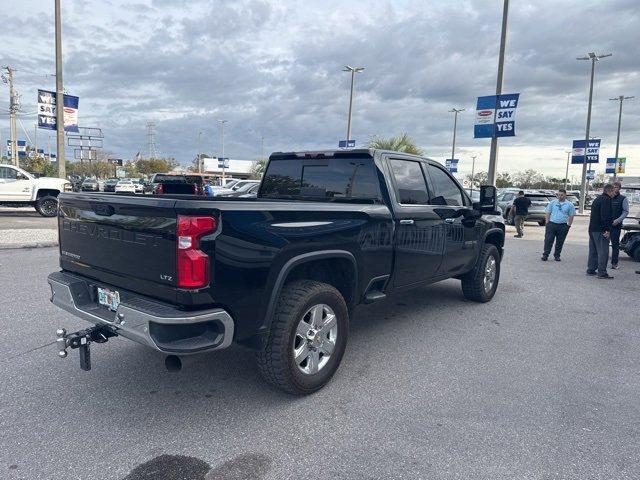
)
(496, 116)
(47, 111)
(591, 151)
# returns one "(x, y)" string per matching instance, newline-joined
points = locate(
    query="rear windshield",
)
(164, 178)
(539, 198)
(321, 179)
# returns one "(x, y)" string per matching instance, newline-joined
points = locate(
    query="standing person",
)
(559, 217)
(599, 232)
(619, 211)
(521, 204)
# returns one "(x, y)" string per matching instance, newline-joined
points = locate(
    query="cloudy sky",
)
(273, 70)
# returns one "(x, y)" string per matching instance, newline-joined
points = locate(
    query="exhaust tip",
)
(173, 363)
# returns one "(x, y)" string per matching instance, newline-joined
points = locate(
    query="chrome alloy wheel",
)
(490, 271)
(49, 207)
(315, 339)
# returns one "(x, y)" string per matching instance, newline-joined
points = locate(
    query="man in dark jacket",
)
(599, 232)
(619, 211)
(521, 205)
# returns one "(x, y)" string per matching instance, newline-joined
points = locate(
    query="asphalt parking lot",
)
(540, 383)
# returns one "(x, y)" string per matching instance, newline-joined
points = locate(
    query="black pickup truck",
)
(280, 273)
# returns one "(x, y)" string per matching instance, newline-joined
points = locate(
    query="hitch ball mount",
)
(81, 340)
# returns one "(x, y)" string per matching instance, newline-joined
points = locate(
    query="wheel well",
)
(496, 238)
(47, 193)
(338, 272)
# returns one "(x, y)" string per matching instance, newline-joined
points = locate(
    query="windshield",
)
(321, 179)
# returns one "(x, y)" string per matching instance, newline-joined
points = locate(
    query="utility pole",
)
(353, 70)
(13, 110)
(566, 173)
(473, 169)
(221, 123)
(151, 140)
(620, 98)
(583, 184)
(455, 112)
(59, 96)
(493, 155)
(198, 154)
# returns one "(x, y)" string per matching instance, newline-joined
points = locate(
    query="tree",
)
(503, 180)
(401, 143)
(257, 169)
(155, 165)
(479, 178)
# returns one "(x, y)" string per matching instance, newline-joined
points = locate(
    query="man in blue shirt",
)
(559, 215)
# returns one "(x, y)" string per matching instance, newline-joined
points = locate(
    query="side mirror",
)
(488, 199)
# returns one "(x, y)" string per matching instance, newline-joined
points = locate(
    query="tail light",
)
(192, 263)
(159, 189)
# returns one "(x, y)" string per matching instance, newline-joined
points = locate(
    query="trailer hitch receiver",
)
(81, 340)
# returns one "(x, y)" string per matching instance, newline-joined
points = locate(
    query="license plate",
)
(109, 298)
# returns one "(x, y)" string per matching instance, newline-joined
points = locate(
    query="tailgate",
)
(122, 240)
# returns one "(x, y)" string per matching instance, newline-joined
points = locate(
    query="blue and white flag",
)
(592, 151)
(496, 116)
(611, 165)
(47, 111)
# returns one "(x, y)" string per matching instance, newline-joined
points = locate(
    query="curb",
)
(15, 246)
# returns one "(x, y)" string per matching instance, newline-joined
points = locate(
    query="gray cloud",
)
(273, 69)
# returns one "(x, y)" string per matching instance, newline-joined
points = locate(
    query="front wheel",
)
(47, 206)
(481, 283)
(308, 337)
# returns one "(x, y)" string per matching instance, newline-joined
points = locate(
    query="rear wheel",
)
(308, 337)
(542, 223)
(636, 253)
(47, 206)
(481, 283)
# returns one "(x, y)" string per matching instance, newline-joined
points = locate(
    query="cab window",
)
(7, 173)
(445, 189)
(411, 188)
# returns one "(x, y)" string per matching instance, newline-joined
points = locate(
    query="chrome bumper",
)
(156, 325)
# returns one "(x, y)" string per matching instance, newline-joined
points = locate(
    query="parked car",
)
(539, 202)
(125, 186)
(90, 185)
(76, 182)
(245, 188)
(110, 184)
(282, 273)
(630, 241)
(251, 192)
(139, 184)
(242, 184)
(165, 183)
(19, 188)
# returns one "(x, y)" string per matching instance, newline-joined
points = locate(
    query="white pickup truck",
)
(18, 188)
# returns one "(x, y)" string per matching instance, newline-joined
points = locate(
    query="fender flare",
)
(298, 260)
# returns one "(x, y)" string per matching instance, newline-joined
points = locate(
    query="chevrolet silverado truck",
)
(20, 188)
(280, 273)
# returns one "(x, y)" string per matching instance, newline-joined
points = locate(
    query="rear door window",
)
(445, 189)
(411, 187)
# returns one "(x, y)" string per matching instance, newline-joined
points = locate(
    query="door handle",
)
(407, 221)
(449, 220)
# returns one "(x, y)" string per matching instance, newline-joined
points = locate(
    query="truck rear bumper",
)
(145, 321)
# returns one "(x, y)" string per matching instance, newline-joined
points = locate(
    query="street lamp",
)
(59, 96)
(566, 174)
(455, 112)
(473, 169)
(353, 70)
(198, 153)
(620, 98)
(221, 123)
(593, 57)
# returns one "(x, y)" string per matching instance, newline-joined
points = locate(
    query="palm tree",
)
(401, 143)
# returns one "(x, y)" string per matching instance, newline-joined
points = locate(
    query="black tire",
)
(276, 360)
(473, 286)
(47, 206)
(636, 253)
(542, 223)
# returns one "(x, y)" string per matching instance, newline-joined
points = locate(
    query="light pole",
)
(620, 98)
(566, 173)
(198, 153)
(583, 184)
(221, 123)
(353, 70)
(455, 112)
(473, 169)
(59, 96)
(493, 155)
